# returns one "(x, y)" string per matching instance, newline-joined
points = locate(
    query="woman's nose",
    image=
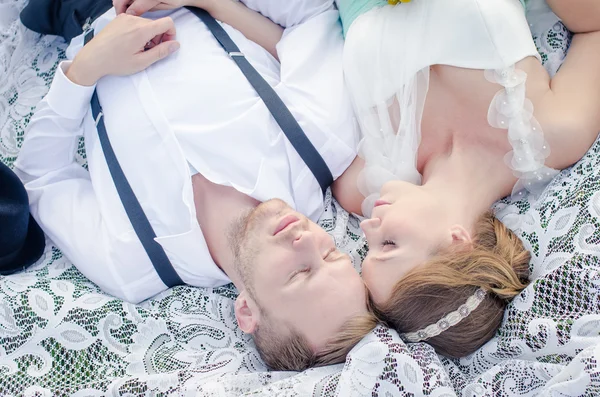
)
(369, 225)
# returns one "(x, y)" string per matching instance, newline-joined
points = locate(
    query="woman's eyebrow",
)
(380, 259)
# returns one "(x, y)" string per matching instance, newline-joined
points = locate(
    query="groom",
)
(223, 189)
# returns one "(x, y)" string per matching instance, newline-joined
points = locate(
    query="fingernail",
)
(130, 11)
(173, 47)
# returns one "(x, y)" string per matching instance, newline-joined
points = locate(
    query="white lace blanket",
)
(60, 336)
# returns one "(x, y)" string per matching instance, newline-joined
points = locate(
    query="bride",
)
(457, 112)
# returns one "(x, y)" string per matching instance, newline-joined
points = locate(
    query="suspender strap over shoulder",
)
(137, 217)
(287, 122)
(279, 111)
(139, 221)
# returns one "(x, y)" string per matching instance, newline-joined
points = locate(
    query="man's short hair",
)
(290, 351)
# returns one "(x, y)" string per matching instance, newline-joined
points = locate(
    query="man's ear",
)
(246, 313)
(460, 235)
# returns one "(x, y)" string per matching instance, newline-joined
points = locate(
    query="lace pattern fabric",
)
(61, 336)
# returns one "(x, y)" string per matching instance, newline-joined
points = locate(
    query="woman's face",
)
(406, 227)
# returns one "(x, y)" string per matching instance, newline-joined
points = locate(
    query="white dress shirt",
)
(197, 108)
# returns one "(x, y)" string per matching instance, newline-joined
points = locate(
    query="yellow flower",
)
(394, 2)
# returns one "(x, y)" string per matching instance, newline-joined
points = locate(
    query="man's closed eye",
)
(299, 272)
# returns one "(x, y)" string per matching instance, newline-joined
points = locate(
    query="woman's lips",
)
(379, 203)
(285, 222)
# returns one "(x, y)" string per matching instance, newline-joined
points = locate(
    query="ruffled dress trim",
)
(511, 110)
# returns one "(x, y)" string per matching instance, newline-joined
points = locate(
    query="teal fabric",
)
(352, 9)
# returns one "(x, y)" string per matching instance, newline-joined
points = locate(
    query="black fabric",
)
(63, 18)
(89, 34)
(280, 112)
(22, 241)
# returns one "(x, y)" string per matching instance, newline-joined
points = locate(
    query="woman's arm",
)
(290, 13)
(345, 188)
(568, 107)
(579, 16)
(253, 25)
(576, 94)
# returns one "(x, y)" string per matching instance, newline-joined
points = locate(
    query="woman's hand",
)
(139, 7)
(121, 48)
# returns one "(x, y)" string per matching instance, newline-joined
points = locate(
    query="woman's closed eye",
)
(386, 245)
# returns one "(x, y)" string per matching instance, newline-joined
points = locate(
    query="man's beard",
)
(238, 235)
(245, 239)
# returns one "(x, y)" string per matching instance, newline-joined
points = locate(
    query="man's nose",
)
(305, 240)
(308, 247)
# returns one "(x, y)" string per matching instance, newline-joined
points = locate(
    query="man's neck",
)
(217, 208)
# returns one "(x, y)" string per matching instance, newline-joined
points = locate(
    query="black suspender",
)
(139, 221)
(279, 111)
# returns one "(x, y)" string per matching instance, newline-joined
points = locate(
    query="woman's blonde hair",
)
(497, 262)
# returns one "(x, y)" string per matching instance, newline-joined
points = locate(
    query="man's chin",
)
(259, 219)
(273, 206)
(268, 211)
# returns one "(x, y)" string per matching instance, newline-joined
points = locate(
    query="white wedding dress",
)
(387, 56)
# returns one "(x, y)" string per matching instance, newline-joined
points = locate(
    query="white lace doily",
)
(60, 336)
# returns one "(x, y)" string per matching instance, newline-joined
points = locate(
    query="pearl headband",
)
(447, 321)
